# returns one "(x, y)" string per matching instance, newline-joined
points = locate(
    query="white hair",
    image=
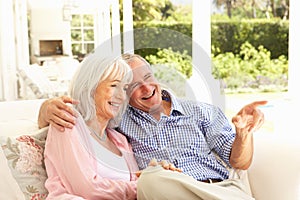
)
(91, 71)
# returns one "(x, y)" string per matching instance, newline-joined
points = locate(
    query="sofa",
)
(273, 175)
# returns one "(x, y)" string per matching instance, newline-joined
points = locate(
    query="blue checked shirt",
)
(187, 138)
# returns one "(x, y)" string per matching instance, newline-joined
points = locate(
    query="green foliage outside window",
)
(180, 61)
(251, 68)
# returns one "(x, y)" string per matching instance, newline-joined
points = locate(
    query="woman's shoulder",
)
(115, 134)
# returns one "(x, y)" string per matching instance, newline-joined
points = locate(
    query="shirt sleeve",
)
(219, 133)
(72, 172)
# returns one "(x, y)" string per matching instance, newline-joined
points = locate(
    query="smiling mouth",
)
(146, 98)
(114, 104)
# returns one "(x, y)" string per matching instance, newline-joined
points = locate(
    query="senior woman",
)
(92, 160)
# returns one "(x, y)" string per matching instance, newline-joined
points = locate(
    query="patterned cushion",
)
(24, 156)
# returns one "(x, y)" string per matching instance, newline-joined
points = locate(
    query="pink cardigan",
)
(72, 170)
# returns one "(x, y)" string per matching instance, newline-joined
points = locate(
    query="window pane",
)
(89, 47)
(88, 35)
(82, 34)
(76, 35)
(88, 20)
(76, 49)
(75, 21)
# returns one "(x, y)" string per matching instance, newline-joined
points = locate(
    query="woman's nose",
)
(120, 94)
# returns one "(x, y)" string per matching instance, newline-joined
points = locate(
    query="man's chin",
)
(155, 108)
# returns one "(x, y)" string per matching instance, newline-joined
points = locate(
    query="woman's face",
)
(109, 98)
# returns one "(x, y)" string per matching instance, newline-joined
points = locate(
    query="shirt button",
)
(175, 162)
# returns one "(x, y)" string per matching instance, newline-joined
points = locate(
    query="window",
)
(82, 34)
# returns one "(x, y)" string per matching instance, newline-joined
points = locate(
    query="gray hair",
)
(91, 71)
(129, 58)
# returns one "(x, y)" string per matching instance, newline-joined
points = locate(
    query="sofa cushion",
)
(275, 170)
(24, 156)
(34, 78)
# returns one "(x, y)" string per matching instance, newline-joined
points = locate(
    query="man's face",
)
(144, 91)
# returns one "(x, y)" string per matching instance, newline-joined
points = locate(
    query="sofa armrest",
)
(275, 170)
(19, 116)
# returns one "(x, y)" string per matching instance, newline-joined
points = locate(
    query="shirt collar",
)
(175, 104)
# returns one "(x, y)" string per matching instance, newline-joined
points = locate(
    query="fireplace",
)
(50, 51)
(51, 47)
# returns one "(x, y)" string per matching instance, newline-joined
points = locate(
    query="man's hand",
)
(165, 164)
(250, 118)
(53, 110)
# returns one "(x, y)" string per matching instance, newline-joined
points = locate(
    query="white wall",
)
(13, 45)
(47, 24)
(7, 64)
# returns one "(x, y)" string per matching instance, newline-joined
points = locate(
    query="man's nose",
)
(145, 87)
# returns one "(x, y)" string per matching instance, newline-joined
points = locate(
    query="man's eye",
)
(133, 86)
(148, 76)
(113, 85)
